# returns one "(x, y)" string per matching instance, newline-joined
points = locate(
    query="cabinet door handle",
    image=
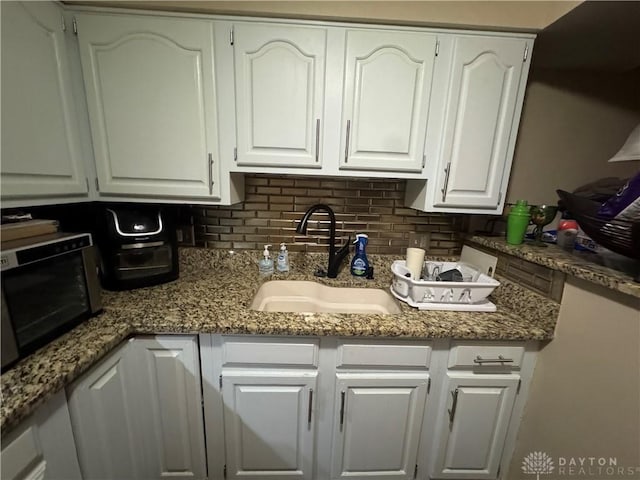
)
(452, 411)
(446, 181)
(346, 143)
(500, 360)
(310, 407)
(342, 399)
(317, 140)
(210, 174)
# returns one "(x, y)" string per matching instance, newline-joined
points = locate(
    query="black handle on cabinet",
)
(342, 399)
(310, 407)
(452, 411)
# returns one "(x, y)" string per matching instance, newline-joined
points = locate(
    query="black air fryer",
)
(138, 246)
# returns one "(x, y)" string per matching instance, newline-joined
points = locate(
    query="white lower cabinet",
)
(281, 407)
(42, 447)
(269, 425)
(377, 429)
(472, 436)
(137, 414)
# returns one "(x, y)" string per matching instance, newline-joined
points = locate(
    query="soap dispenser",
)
(283, 259)
(360, 263)
(265, 266)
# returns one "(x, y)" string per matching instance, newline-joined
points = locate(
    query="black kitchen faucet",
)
(335, 256)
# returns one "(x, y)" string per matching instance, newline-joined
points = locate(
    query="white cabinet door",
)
(269, 423)
(138, 414)
(42, 447)
(387, 84)
(484, 99)
(279, 76)
(471, 437)
(167, 373)
(377, 427)
(41, 154)
(150, 90)
(105, 419)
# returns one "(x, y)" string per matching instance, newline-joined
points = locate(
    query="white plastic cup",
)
(415, 260)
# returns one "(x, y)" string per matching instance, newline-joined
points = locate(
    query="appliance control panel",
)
(39, 251)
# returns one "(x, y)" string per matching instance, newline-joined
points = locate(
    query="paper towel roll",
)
(415, 260)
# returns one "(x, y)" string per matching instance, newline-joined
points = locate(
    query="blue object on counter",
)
(548, 236)
(360, 263)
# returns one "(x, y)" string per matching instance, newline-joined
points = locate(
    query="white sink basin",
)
(305, 296)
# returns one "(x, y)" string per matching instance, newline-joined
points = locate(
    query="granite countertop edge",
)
(556, 258)
(187, 306)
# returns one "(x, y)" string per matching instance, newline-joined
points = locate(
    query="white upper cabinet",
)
(150, 89)
(475, 112)
(279, 83)
(387, 81)
(482, 99)
(329, 100)
(41, 153)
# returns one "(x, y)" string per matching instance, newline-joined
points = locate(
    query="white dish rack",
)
(454, 296)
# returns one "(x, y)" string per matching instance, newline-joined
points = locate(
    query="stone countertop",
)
(213, 295)
(556, 258)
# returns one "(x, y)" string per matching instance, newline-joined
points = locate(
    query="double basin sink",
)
(311, 297)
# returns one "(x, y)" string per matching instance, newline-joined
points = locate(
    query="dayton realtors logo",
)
(537, 463)
(540, 463)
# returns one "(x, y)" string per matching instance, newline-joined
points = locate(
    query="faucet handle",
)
(320, 272)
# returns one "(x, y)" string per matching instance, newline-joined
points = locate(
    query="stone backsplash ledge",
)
(275, 203)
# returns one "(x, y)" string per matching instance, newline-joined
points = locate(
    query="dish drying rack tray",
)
(454, 296)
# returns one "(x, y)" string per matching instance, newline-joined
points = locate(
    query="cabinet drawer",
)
(269, 351)
(474, 356)
(391, 354)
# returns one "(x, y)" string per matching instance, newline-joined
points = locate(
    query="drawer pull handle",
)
(500, 360)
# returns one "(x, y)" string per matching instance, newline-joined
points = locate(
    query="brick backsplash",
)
(275, 203)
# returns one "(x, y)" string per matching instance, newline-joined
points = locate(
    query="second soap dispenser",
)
(282, 264)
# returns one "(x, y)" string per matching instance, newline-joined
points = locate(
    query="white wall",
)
(584, 399)
(572, 123)
(510, 15)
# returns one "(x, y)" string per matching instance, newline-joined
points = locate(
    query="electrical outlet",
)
(186, 235)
